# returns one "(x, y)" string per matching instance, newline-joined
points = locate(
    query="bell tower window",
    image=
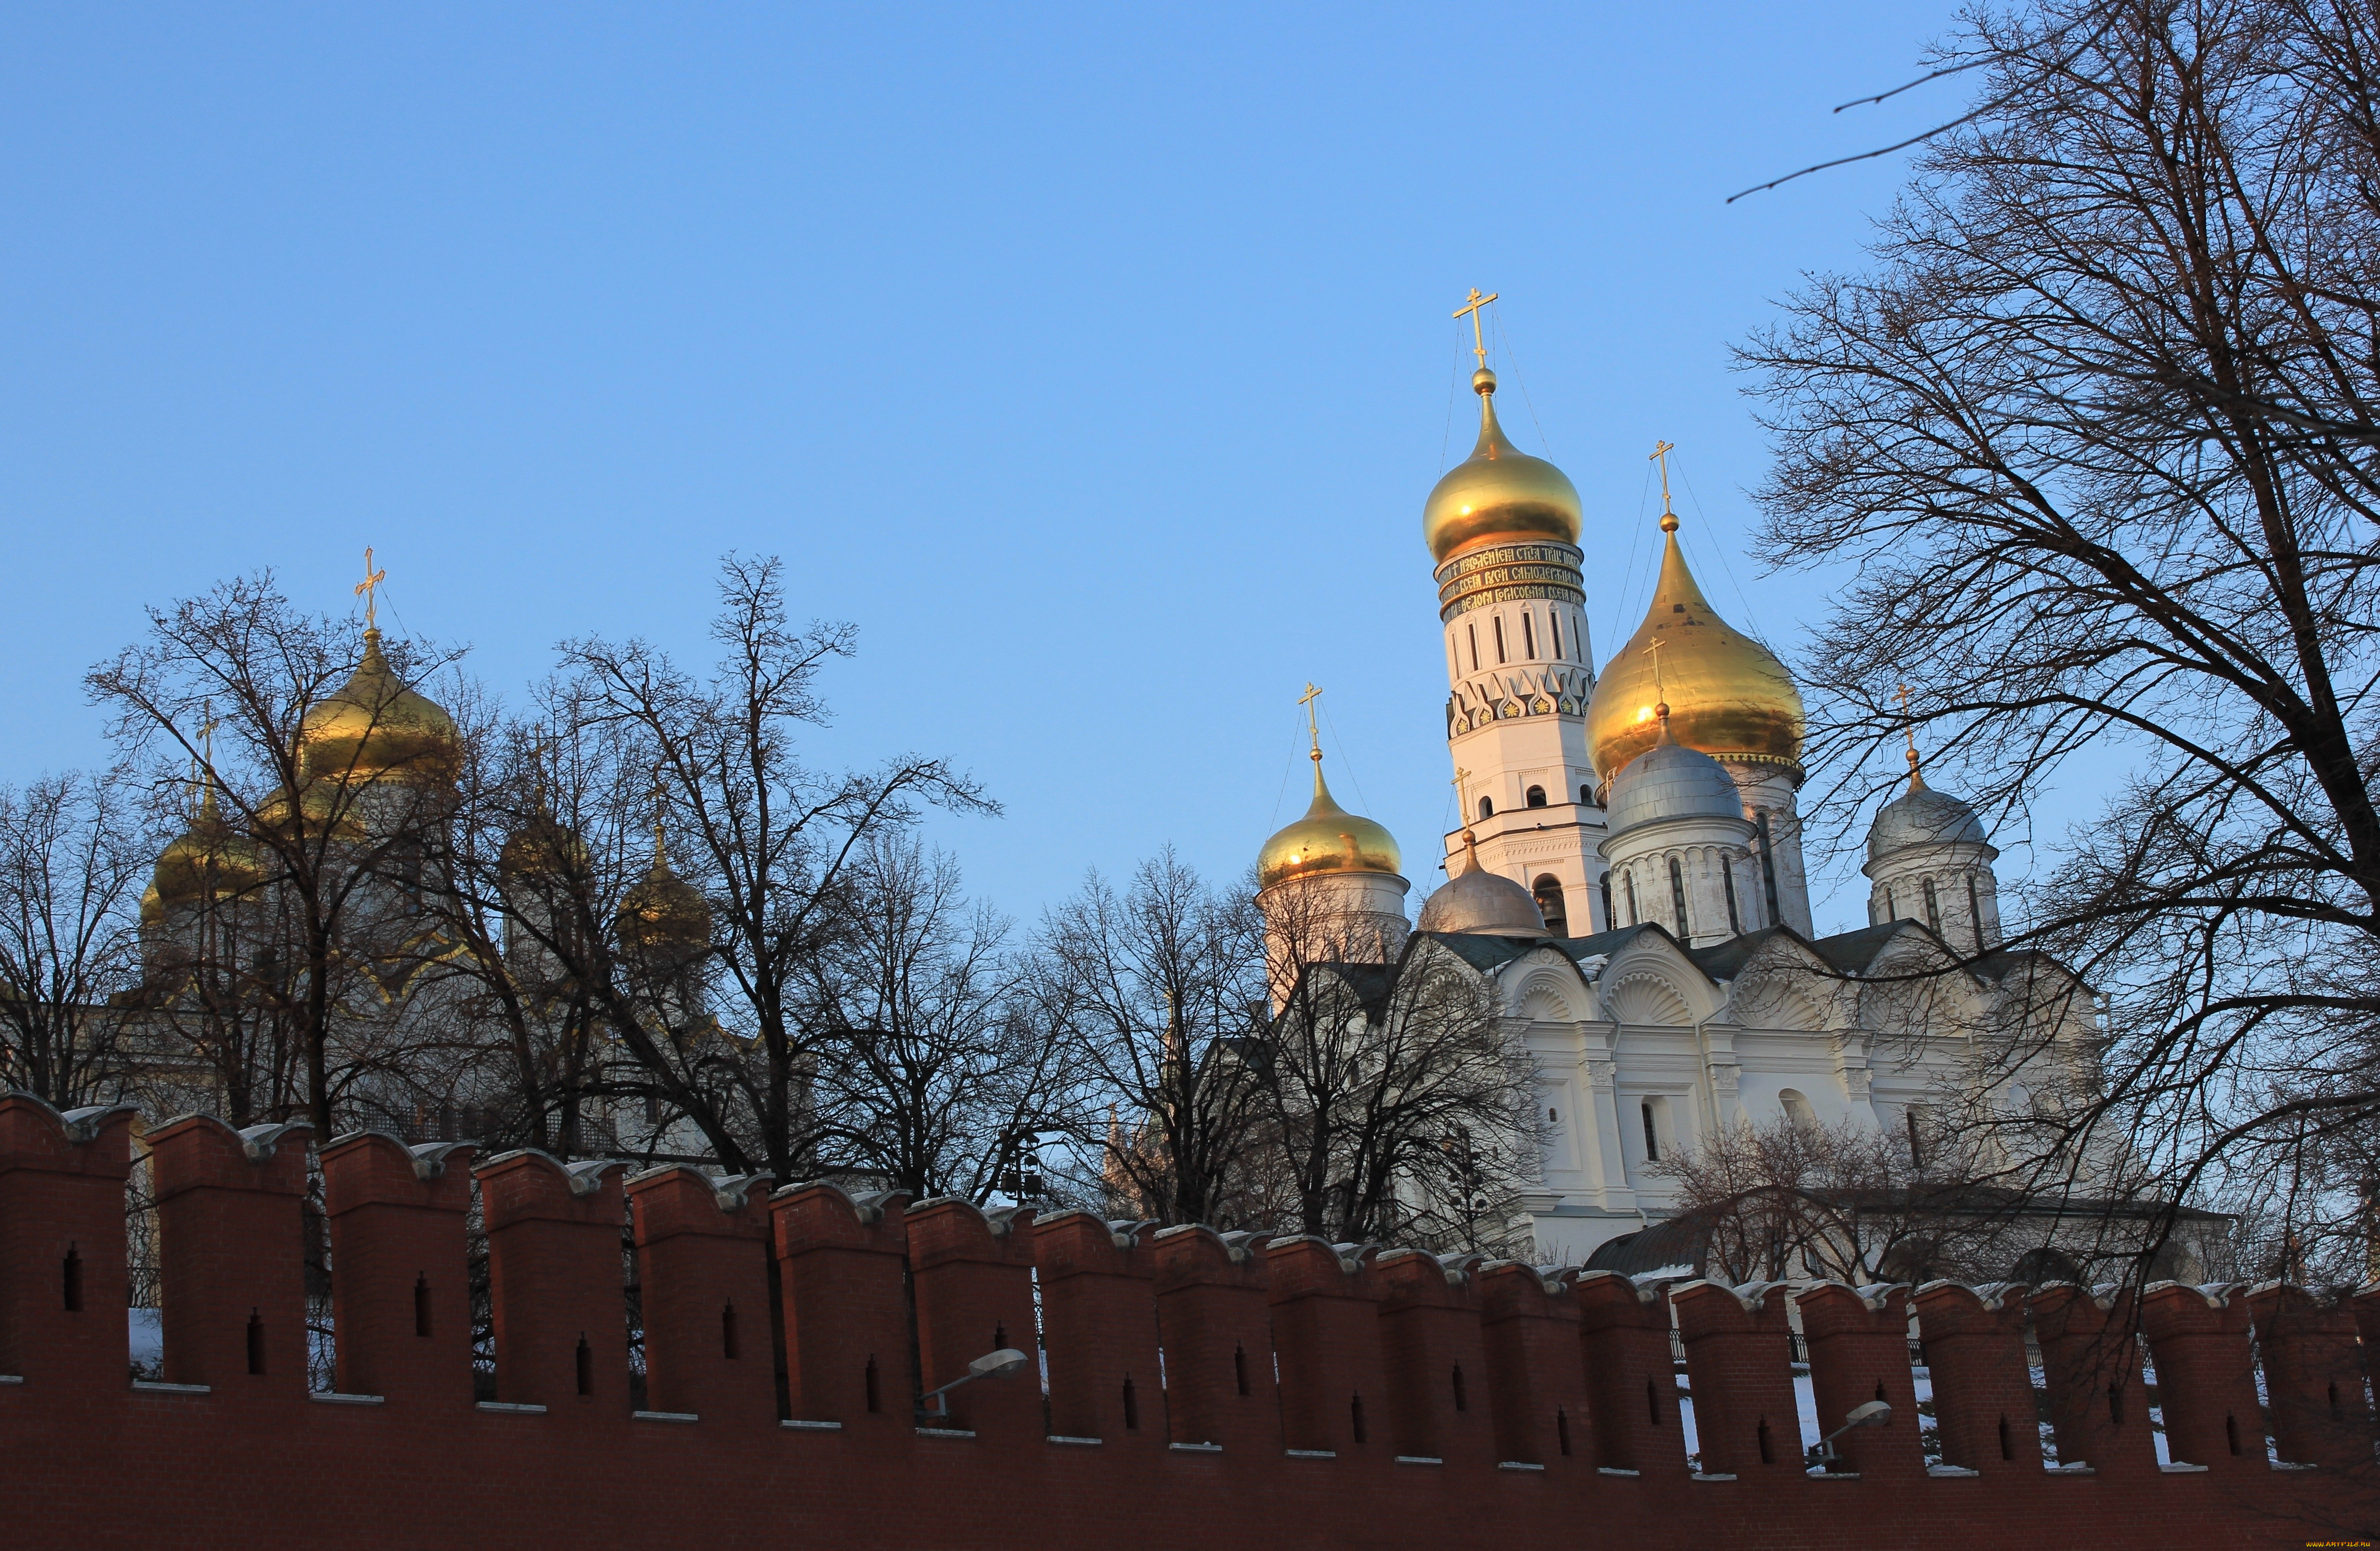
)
(1486, 807)
(1472, 631)
(1498, 623)
(1548, 893)
(1553, 629)
(1536, 796)
(1529, 634)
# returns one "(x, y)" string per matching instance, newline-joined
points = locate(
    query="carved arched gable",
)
(1786, 984)
(1544, 987)
(1649, 981)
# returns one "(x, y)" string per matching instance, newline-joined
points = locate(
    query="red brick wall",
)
(251, 1460)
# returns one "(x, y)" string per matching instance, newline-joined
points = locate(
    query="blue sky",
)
(1093, 363)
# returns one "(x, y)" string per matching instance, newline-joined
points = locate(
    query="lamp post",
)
(1875, 1413)
(936, 1406)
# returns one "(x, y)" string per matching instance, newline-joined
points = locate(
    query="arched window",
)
(1634, 915)
(1891, 906)
(1652, 1133)
(1974, 913)
(1499, 622)
(1797, 1109)
(1587, 797)
(1553, 628)
(1933, 909)
(1486, 807)
(1608, 922)
(1472, 631)
(1678, 898)
(1529, 634)
(1727, 877)
(1536, 796)
(1548, 890)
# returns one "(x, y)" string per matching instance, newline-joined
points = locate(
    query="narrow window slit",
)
(586, 1367)
(73, 1271)
(421, 1303)
(255, 1342)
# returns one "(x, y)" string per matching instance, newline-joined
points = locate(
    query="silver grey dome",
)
(1474, 899)
(1670, 780)
(1923, 817)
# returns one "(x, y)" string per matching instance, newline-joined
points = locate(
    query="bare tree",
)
(1383, 1084)
(1155, 989)
(766, 840)
(933, 1072)
(1794, 1199)
(2097, 430)
(71, 865)
(296, 731)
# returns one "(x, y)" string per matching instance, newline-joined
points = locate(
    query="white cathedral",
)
(1628, 881)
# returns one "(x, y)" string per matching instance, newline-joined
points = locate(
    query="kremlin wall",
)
(1197, 1388)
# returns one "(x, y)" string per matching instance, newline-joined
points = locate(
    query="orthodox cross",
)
(1909, 727)
(1313, 731)
(1661, 707)
(202, 759)
(1472, 304)
(1461, 785)
(368, 590)
(1661, 450)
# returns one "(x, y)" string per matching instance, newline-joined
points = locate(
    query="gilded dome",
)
(374, 726)
(208, 862)
(1329, 839)
(543, 845)
(1669, 781)
(1498, 495)
(664, 916)
(327, 810)
(1727, 695)
(1474, 899)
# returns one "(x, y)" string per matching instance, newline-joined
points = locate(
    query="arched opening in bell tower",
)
(1548, 891)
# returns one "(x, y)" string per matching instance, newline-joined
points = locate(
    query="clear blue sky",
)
(1094, 362)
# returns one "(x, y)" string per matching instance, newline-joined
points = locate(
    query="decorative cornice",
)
(1510, 693)
(1508, 572)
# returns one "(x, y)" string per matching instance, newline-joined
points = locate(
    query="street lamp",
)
(991, 1364)
(1875, 1413)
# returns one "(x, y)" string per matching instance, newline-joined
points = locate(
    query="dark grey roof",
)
(1722, 961)
(1852, 951)
(1681, 1241)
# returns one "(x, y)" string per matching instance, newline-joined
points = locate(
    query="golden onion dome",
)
(1329, 839)
(665, 917)
(1727, 695)
(543, 846)
(1498, 495)
(208, 863)
(374, 727)
(324, 808)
